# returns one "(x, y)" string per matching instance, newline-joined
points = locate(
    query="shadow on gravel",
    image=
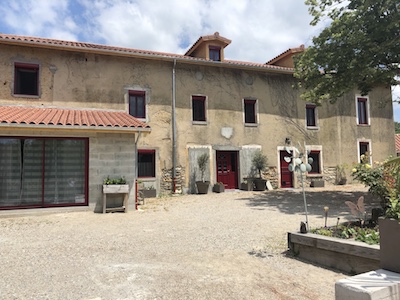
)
(291, 201)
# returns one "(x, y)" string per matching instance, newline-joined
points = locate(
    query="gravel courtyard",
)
(217, 246)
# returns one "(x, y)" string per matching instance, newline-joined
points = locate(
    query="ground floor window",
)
(146, 163)
(43, 172)
(316, 164)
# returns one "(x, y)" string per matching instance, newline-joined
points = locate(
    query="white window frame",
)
(369, 148)
(310, 148)
(367, 108)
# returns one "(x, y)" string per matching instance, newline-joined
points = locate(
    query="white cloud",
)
(259, 30)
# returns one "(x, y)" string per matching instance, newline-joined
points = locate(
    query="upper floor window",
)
(250, 111)
(137, 104)
(146, 163)
(362, 111)
(26, 80)
(311, 115)
(199, 108)
(215, 53)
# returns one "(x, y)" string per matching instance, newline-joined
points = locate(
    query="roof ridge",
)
(51, 42)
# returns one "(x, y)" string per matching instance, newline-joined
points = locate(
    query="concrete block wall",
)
(110, 155)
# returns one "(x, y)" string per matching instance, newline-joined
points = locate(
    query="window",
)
(43, 172)
(146, 163)
(250, 115)
(364, 152)
(199, 108)
(215, 53)
(137, 104)
(362, 111)
(311, 115)
(316, 165)
(26, 80)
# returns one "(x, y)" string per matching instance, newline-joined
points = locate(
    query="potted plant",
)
(202, 186)
(389, 226)
(219, 187)
(384, 181)
(115, 186)
(341, 178)
(259, 162)
(247, 184)
(148, 191)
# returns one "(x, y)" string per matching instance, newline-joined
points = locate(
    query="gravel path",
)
(217, 246)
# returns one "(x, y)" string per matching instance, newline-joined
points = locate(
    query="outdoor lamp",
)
(326, 209)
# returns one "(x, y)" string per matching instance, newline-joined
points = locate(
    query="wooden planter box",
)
(115, 189)
(389, 232)
(152, 193)
(349, 256)
(317, 183)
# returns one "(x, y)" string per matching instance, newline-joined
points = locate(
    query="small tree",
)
(202, 161)
(259, 161)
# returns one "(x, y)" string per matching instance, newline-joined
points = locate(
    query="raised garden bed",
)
(349, 256)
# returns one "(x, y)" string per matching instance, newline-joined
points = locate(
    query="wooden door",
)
(286, 175)
(227, 172)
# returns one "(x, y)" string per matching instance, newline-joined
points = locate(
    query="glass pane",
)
(64, 171)
(20, 173)
(31, 171)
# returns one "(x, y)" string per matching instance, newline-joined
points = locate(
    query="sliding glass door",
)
(43, 172)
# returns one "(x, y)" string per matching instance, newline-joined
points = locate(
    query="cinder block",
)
(375, 285)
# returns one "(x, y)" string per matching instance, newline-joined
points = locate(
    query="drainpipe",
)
(173, 130)
(135, 184)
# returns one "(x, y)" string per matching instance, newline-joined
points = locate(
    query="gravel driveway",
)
(217, 246)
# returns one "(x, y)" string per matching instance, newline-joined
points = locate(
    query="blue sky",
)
(259, 30)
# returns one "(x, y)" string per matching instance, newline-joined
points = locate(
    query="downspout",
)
(135, 176)
(173, 130)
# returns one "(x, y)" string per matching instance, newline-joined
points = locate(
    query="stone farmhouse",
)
(73, 113)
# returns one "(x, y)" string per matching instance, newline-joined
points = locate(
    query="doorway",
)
(286, 175)
(227, 168)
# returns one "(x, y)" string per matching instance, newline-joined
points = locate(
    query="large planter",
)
(148, 193)
(345, 255)
(389, 232)
(259, 184)
(202, 187)
(115, 188)
(122, 189)
(218, 188)
(247, 185)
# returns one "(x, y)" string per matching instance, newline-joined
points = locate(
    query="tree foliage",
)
(359, 49)
(397, 127)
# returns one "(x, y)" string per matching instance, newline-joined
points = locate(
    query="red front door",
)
(286, 175)
(227, 172)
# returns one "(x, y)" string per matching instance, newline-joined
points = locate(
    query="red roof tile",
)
(69, 117)
(88, 47)
(290, 51)
(397, 141)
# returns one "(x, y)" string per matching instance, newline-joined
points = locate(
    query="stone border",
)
(349, 256)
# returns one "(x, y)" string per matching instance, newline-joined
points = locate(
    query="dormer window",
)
(215, 53)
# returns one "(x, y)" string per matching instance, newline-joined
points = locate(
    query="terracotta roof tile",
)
(85, 47)
(397, 141)
(69, 117)
(286, 53)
